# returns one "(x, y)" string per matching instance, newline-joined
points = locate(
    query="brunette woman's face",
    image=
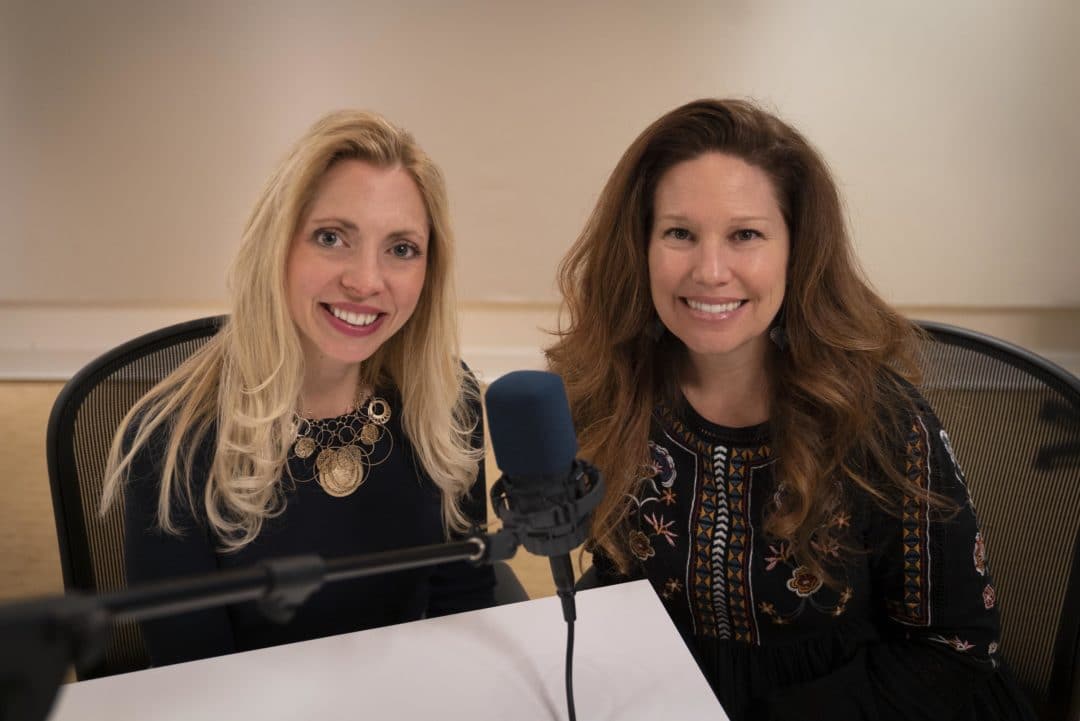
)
(357, 263)
(718, 255)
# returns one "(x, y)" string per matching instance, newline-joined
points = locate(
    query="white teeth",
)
(354, 318)
(710, 308)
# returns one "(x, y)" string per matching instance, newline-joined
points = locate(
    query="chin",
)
(716, 347)
(347, 355)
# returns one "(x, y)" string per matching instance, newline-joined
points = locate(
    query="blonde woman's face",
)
(356, 266)
(718, 254)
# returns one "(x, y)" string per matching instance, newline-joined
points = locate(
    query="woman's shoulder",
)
(145, 482)
(148, 462)
(904, 400)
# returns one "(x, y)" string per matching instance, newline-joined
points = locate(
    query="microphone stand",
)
(44, 637)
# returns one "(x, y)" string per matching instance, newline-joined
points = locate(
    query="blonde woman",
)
(769, 466)
(330, 415)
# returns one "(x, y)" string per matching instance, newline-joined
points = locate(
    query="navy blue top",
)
(397, 506)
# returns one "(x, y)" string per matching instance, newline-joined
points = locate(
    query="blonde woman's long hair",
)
(245, 383)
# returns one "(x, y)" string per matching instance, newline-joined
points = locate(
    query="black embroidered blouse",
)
(911, 631)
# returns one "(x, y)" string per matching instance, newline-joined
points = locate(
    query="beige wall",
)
(134, 137)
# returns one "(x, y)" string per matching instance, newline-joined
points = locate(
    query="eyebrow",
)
(679, 218)
(352, 227)
(347, 224)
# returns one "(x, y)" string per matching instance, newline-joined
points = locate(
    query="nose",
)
(712, 264)
(362, 275)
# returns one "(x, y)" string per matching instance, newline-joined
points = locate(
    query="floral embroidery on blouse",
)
(829, 547)
(956, 643)
(671, 588)
(979, 554)
(781, 554)
(641, 546)
(723, 578)
(662, 469)
(803, 583)
(661, 527)
(663, 465)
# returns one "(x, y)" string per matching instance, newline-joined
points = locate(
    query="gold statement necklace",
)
(343, 447)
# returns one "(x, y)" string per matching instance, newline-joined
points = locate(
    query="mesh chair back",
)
(84, 419)
(1014, 421)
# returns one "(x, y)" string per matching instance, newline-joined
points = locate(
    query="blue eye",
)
(404, 250)
(327, 238)
(747, 234)
(678, 233)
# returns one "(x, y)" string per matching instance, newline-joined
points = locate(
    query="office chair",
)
(81, 427)
(1014, 421)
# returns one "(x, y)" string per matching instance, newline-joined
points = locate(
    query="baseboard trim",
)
(51, 343)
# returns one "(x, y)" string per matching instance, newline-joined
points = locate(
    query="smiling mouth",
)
(357, 320)
(713, 307)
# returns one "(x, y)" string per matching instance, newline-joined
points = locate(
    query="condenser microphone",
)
(545, 493)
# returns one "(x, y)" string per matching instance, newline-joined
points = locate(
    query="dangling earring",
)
(777, 334)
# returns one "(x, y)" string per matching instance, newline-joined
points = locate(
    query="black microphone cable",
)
(520, 522)
(563, 572)
(570, 671)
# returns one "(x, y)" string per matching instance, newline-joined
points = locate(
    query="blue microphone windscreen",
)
(532, 432)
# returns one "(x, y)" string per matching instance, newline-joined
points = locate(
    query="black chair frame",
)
(1066, 653)
(71, 530)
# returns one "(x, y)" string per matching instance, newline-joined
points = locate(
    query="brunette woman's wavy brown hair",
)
(838, 391)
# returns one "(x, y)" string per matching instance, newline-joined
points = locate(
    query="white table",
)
(499, 663)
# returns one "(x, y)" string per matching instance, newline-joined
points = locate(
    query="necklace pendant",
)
(369, 434)
(304, 447)
(340, 471)
(378, 410)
